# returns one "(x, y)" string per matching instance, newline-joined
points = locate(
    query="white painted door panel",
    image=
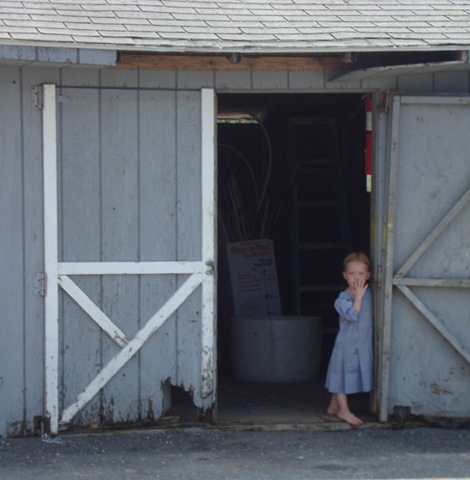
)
(130, 243)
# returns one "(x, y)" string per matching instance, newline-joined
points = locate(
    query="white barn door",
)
(129, 253)
(425, 336)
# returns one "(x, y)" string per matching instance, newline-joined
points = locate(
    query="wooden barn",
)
(139, 137)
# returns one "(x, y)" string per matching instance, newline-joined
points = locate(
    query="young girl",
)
(350, 367)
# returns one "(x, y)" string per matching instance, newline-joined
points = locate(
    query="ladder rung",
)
(320, 203)
(320, 288)
(317, 162)
(322, 246)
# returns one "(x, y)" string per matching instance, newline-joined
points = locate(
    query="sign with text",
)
(253, 278)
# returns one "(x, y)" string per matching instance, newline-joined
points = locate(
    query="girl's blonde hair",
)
(357, 257)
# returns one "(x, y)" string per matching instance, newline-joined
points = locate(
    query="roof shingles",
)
(222, 25)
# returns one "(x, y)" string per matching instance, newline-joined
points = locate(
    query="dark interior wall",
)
(249, 153)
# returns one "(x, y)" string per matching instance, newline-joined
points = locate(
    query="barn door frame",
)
(398, 279)
(58, 274)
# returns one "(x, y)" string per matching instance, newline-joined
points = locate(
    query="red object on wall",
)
(368, 149)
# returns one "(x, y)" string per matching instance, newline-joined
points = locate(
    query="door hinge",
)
(40, 284)
(36, 96)
(378, 283)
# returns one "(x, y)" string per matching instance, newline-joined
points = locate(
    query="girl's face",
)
(356, 274)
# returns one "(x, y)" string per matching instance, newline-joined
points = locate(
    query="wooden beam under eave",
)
(222, 62)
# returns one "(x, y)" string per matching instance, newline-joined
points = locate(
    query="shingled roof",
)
(237, 25)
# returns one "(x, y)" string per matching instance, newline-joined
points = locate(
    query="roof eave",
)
(242, 48)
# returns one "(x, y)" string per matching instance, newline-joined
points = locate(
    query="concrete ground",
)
(295, 453)
(245, 404)
(262, 432)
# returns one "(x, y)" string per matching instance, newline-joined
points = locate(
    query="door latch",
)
(211, 267)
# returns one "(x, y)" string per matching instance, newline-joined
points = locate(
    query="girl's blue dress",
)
(351, 364)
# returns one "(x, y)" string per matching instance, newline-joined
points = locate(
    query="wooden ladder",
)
(320, 228)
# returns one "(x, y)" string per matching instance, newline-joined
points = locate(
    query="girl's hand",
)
(359, 291)
(360, 288)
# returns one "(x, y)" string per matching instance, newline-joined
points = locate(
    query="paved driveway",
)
(214, 454)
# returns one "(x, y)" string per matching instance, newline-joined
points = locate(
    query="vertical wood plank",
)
(80, 241)
(157, 193)
(208, 310)
(379, 203)
(189, 235)
(34, 238)
(120, 241)
(49, 145)
(12, 383)
(384, 361)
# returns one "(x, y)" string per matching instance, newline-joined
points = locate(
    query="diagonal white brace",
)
(124, 355)
(95, 313)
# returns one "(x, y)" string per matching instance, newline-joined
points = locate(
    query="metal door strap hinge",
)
(36, 96)
(40, 284)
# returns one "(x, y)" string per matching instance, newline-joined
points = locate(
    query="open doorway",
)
(291, 169)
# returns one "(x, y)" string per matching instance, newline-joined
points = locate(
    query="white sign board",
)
(253, 278)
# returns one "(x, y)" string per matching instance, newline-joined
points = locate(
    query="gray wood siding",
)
(157, 187)
(12, 266)
(80, 201)
(138, 152)
(129, 147)
(427, 374)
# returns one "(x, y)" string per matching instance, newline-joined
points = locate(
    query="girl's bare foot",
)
(332, 410)
(348, 417)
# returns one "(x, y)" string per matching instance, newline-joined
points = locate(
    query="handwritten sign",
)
(253, 278)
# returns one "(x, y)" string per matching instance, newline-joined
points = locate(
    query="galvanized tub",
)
(276, 349)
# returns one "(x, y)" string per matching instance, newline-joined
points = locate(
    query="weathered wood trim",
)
(129, 268)
(208, 142)
(124, 355)
(432, 282)
(235, 62)
(426, 100)
(435, 322)
(51, 301)
(95, 313)
(386, 334)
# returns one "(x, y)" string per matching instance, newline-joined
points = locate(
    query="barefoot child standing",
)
(350, 367)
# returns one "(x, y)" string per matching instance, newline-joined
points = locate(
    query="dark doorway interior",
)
(315, 209)
(291, 168)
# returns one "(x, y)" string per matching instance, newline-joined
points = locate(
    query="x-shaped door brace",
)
(200, 273)
(128, 347)
(403, 283)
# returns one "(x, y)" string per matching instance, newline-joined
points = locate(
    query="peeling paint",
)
(150, 410)
(437, 389)
(17, 429)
